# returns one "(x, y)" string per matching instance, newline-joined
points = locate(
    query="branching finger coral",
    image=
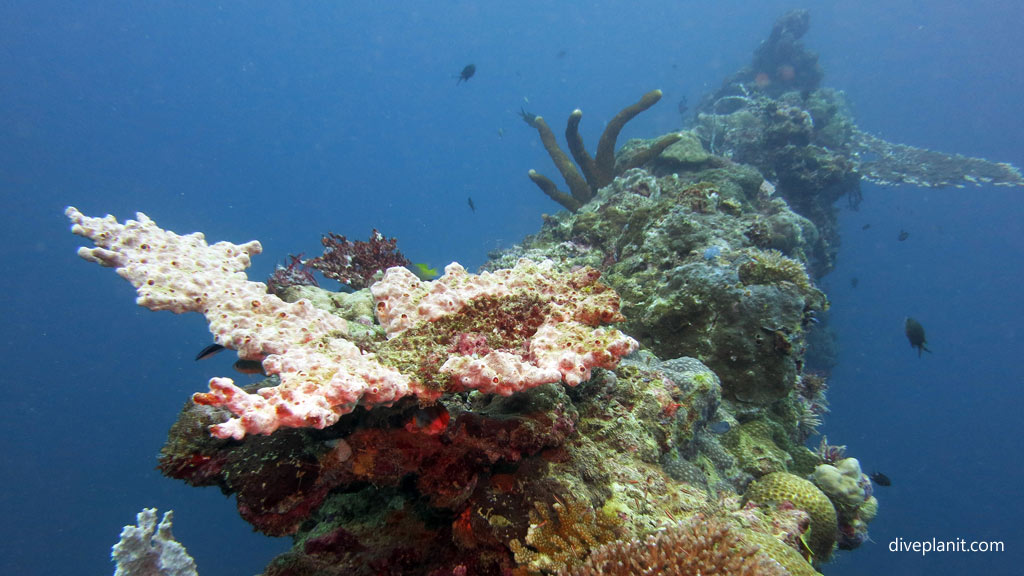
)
(709, 547)
(557, 542)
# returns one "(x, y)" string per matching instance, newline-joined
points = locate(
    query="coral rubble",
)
(149, 549)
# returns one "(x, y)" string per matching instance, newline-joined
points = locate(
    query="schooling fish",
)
(466, 73)
(915, 333)
(903, 235)
(880, 479)
(209, 351)
(471, 205)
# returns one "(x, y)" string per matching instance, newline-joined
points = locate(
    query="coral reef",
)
(526, 483)
(463, 479)
(148, 549)
(426, 427)
(549, 335)
(678, 249)
(598, 171)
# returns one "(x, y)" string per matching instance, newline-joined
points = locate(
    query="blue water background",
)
(282, 121)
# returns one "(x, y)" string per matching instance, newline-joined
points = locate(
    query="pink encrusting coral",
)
(565, 346)
(324, 375)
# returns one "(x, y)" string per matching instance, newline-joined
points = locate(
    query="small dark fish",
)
(853, 282)
(249, 367)
(471, 205)
(683, 106)
(880, 479)
(209, 351)
(865, 227)
(466, 73)
(561, 54)
(903, 235)
(915, 333)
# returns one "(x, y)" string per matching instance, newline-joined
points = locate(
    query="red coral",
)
(356, 263)
(295, 273)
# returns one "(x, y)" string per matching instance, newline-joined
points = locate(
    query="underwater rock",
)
(649, 236)
(686, 154)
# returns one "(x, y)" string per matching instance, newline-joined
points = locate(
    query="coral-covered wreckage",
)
(494, 423)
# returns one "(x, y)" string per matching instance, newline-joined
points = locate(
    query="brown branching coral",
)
(709, 547)
(597, 171)
(561, 541)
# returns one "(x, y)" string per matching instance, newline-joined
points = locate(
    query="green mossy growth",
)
(756, 446)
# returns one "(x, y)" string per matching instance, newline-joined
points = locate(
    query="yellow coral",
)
(785, 487)
(869, 509)
(789, 558)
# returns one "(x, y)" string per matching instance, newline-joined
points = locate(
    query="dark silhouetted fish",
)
(853, 282)
(915, 333)
(880, 479)
(466, 73)
(249, 367)
(903, 235)
(471, 205)
(209, 351)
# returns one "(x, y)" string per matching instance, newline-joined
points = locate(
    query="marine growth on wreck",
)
(701, 248)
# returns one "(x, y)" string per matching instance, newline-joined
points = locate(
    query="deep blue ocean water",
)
(282, 121)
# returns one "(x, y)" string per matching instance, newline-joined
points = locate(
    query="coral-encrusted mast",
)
(323, 375)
